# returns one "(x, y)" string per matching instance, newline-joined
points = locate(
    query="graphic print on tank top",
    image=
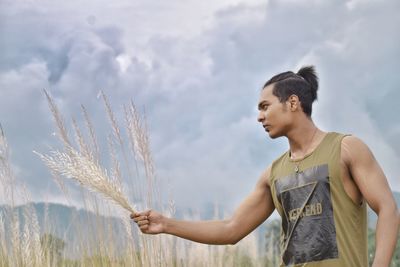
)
(307, 223)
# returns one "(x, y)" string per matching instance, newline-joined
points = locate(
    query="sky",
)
(196, 68)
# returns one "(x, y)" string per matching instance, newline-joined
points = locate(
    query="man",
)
(320, 187)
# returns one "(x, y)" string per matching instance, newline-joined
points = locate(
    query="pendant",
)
(296, 168)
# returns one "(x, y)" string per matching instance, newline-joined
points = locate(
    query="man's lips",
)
(266, 127)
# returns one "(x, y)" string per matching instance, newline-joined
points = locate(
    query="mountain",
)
(75, 227)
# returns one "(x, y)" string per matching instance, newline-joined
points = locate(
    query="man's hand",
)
(149, 222)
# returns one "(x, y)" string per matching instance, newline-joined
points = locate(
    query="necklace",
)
(297, 164)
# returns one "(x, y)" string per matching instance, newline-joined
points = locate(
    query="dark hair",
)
(304, 84)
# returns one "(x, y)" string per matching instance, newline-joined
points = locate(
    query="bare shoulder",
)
(265, 177)
(354, 149)
(351, 140)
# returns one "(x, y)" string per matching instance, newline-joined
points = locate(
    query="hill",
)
(71, 225)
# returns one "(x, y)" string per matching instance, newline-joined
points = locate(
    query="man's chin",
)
(273, 135)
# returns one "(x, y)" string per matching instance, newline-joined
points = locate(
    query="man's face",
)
(274, 116)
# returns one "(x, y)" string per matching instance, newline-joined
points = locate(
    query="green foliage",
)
(52, 247)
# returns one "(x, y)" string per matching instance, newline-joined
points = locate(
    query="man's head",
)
(285, 98)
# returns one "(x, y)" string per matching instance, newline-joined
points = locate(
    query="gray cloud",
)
(198, 70)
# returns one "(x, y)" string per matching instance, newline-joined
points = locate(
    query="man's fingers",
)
(143, 222)
(140, 218)
(134, 215)
(139, 214)
(143, 213)
(144, 227)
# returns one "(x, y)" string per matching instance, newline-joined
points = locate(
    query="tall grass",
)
(123, 171)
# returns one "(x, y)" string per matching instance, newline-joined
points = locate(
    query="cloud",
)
(197, 68)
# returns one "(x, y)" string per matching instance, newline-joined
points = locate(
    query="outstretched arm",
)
(374, 187)
(255, 209)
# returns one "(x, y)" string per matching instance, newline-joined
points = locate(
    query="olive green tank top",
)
(321, 225)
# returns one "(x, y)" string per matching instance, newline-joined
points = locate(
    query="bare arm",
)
(255, 209)
(374, 187)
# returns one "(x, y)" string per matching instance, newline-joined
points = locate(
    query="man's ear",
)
(294, 102)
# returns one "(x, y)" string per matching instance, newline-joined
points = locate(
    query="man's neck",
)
(303, 139)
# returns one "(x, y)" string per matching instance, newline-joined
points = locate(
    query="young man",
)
(320, 187)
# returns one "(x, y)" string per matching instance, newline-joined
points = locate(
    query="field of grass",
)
(107, 176)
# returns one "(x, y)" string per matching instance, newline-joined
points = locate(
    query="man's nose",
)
(260, 117)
